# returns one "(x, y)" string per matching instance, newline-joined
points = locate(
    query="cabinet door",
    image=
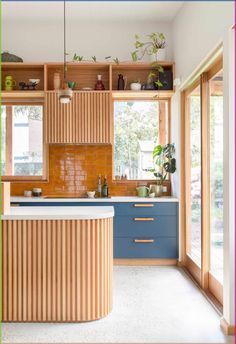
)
(87, 119)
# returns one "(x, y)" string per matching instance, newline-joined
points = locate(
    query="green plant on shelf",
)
(77, 58)
(156, 41)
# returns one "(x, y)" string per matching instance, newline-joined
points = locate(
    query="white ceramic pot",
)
(135, 86)
(159, 56)
(157, 189)
(91, 194)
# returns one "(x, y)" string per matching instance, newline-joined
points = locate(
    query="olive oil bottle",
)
(99, 190)
(105, 192)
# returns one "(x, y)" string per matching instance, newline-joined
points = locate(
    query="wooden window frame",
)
(202, 275)
(9, 137)
(162, 124)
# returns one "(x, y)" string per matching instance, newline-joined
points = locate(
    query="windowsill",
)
(24, 179)
(140, 181)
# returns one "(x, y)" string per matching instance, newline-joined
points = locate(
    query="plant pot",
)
(159, 56)
(158, 189)
(135, 86)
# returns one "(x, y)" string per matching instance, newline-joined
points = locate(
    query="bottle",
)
(121, 82)
(105, 188)
(99, 190)
(99, 85)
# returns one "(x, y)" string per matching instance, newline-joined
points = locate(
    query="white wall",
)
(43, 40)
(198, 29)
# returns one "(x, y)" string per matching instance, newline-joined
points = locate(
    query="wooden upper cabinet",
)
(87, 119)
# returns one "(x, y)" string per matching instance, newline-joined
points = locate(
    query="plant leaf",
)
(157, 151)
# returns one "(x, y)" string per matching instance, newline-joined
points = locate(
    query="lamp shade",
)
(65, 94)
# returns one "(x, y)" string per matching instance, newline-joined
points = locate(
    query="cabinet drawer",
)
(146, 208)
(163, 226)
(159, 248)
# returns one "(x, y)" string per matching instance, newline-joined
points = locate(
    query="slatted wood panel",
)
(87, 119)
(57, 270)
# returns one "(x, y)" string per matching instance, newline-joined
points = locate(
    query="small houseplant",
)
(153, 47)
(164, 164)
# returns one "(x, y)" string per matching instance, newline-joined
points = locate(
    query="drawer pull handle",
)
(143, 205)
(143, 219)
(144, 241)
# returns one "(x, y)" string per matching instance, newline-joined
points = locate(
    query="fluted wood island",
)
(57, 263)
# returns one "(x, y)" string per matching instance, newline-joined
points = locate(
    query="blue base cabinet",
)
(141, 230)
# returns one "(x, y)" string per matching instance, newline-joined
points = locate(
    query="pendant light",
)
(65, 94)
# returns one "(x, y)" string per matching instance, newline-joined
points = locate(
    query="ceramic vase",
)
(135, 86)
(157, 189)
(159, 56)
(56, 81)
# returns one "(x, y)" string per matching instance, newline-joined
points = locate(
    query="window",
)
(22, 140)
(139, 126)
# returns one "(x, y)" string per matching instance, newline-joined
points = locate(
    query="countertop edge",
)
(19, 199)
(66, 213)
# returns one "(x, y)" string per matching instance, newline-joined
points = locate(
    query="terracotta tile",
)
(75, 169)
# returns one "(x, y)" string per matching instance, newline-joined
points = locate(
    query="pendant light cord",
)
(64, 40)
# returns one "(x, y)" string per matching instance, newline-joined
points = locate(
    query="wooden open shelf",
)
(22, 94)
(23, 72)
(141, 94)
(134, 71)
(85, 75)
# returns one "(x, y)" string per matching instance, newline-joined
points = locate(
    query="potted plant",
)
(154, 47)
(164, 164)
(135, 85)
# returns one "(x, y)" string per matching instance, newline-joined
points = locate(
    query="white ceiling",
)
(163, 11)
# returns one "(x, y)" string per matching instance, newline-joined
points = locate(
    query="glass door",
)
(203, 179)
(193, 180)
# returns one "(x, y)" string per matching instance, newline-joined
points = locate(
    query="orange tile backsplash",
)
(74, 169)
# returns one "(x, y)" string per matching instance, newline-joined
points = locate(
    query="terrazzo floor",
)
(151, 305)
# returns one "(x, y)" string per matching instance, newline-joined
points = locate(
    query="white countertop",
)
(19, 199)
(61, 213)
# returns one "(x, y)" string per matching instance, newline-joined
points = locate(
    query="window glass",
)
(216, 175)
(3, 140)
(139, 126)
(195, 176)
(25, 148)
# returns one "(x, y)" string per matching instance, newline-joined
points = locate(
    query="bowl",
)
(34, 81)
(91, 194)
(37, 192)
(87, 89)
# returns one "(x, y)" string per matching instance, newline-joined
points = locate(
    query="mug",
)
(27, 193)
(142, 191)
(9, 83)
